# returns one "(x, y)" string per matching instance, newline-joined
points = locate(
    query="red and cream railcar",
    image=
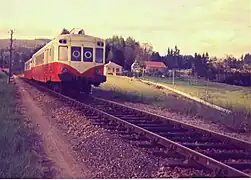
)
(72, 60)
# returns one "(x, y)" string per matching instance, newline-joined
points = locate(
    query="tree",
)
(130, 52)
(173, 58)
(143, 52)
(155, 56)
(230, 62)
(109, 56)
(200, 65)
(107, 53)
(178, 64)
(187, 61)
(117, 45)
(147, 51)
(247, 58)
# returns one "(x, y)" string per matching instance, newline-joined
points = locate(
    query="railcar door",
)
(45, 68)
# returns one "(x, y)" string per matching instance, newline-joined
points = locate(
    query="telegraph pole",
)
(173, 76)
(2, 51)
(10, 61)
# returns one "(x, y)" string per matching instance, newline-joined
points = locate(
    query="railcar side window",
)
(88, 54)
(40, 59)
(75, 53)
(49, 55)
(27, 66)
(63, 53)
(52, 53)
(99, 55)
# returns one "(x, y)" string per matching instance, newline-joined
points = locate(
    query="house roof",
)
(154, 64)
(112, 64)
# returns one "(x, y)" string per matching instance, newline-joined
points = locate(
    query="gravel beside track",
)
(45, 167)
(191, 137)
(105, 153)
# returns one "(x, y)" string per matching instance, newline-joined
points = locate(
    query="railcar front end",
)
(71, 61)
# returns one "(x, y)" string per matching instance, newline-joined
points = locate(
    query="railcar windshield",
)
(99, 55)
(63, 53)
(76, 53)
(88, 54)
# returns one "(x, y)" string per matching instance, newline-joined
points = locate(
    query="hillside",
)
(23, 50)
(23, 43)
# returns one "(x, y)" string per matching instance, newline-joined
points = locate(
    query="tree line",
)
(19, 56)
(227, 70)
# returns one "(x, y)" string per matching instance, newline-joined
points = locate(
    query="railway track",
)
(201, 148)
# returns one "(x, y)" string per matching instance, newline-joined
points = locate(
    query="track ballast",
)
(198, 148)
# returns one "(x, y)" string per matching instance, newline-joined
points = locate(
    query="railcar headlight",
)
(98, 71)
(100, 43)
(64, 70)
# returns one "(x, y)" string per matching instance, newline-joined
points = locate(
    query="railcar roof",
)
(76, 35)
(45, 46)
(28, 61)
(66, 36)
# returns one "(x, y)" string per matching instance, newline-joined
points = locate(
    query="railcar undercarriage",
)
(71, 87)
(76, 84)
(70, 84)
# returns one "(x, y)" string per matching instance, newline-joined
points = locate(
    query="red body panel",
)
(50, 72)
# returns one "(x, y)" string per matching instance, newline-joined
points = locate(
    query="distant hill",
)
(23, 43)
(45, 40)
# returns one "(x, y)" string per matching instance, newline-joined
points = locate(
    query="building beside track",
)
(153, 66)
(112, 68)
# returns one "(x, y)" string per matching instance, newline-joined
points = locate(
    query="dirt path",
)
(56, 147)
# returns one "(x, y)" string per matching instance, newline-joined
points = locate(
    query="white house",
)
(135, 67)
(112, 68)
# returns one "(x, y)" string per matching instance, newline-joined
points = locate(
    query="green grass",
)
(136, 90)
(123, 89)
(228, 96)
(16, 160)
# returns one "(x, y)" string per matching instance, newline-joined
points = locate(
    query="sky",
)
(219, 27)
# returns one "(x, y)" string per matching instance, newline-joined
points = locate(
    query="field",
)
(135, 90)
(16, 159)
(132, 90)
(228, 96)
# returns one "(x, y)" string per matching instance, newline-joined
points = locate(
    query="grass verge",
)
(17, 160)
(122, 89)
(224, 95)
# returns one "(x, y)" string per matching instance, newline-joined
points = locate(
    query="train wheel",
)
(50, 85)
(57, 87)
(72, 91)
